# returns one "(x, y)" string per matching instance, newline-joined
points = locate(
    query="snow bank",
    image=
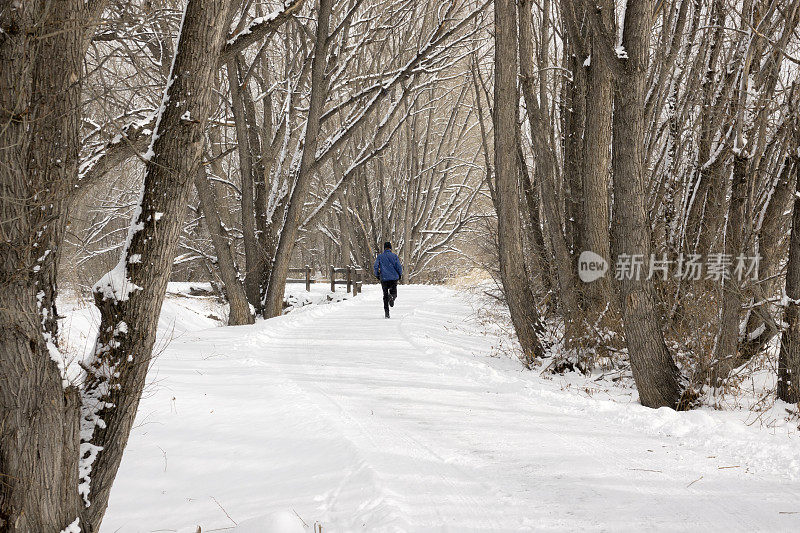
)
(297, 296)
(188, 307)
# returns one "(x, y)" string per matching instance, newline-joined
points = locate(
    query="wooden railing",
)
(353, 278)
(308, 280)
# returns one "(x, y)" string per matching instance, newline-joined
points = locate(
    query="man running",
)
(388, 269)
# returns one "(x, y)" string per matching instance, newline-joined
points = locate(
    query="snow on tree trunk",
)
(41, 52)
(130, 297)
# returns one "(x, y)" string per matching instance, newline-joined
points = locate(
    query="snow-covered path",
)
(366, 424)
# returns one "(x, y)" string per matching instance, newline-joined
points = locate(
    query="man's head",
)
(387, 245)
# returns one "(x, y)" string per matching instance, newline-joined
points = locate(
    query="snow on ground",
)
(188, 306)
(333, 415)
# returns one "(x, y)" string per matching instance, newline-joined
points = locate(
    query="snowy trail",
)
(366, 424)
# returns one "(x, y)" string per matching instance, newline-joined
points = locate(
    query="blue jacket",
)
(387, 266)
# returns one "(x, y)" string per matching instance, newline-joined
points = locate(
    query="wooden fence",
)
(352, 276)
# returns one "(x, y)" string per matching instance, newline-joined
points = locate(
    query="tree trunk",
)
(656, 375)
(595, 235)
(265, 239)
(260, 270)
(246, 170)
(546, 176)
(573, 159)
(726, 356)
(531, 206)
(700, 230)
(41, 52)
(770, 240)
(319, 89)
(130, 296)
(239, 312)
(513, 274)
(789, 358)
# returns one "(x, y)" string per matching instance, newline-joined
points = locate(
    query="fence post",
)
(333, 279)
(355, 281)
(308, 278)
(349, 278)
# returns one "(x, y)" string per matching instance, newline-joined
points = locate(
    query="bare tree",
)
(512, 263)
(789, 357)
(546, 162)
(41, 49)
(274, 302)
(657, 377)
(49, 460)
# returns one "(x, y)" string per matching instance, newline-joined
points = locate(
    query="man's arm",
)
(399, 266)
(375, 268)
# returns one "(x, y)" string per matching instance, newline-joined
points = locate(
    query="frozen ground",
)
(334, 415)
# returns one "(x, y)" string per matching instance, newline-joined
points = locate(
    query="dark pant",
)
(389, 291)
